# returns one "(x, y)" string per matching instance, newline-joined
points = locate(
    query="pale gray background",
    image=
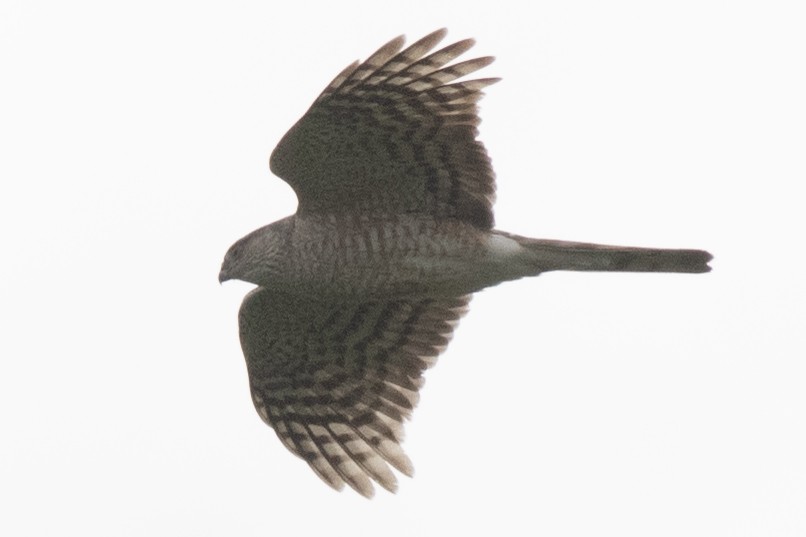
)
(135, 139)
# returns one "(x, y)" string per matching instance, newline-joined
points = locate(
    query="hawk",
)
(360, 290)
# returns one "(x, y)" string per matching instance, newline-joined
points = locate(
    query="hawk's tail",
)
(565, 255)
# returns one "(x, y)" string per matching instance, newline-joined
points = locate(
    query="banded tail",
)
(582, 256)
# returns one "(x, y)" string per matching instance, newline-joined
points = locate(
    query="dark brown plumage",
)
(360, 290)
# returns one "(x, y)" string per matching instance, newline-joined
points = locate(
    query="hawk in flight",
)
(360, 290)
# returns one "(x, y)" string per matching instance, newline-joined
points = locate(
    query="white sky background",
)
(135, 143)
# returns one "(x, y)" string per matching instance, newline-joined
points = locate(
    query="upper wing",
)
(335, 380)
(392, 135)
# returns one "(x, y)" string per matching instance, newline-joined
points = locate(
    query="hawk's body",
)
(388, 255)
(359, 291)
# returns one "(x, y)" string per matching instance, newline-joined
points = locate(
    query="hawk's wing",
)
(394, 135)
(335, 380)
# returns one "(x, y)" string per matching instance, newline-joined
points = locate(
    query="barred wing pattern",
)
(394, 135)
(336, 380)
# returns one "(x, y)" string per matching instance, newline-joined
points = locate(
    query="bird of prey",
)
(360, 290)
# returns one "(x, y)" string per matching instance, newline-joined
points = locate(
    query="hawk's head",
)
(256, 258)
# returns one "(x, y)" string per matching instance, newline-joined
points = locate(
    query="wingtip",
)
(364, 488)
(397, 41)
(437, 35)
